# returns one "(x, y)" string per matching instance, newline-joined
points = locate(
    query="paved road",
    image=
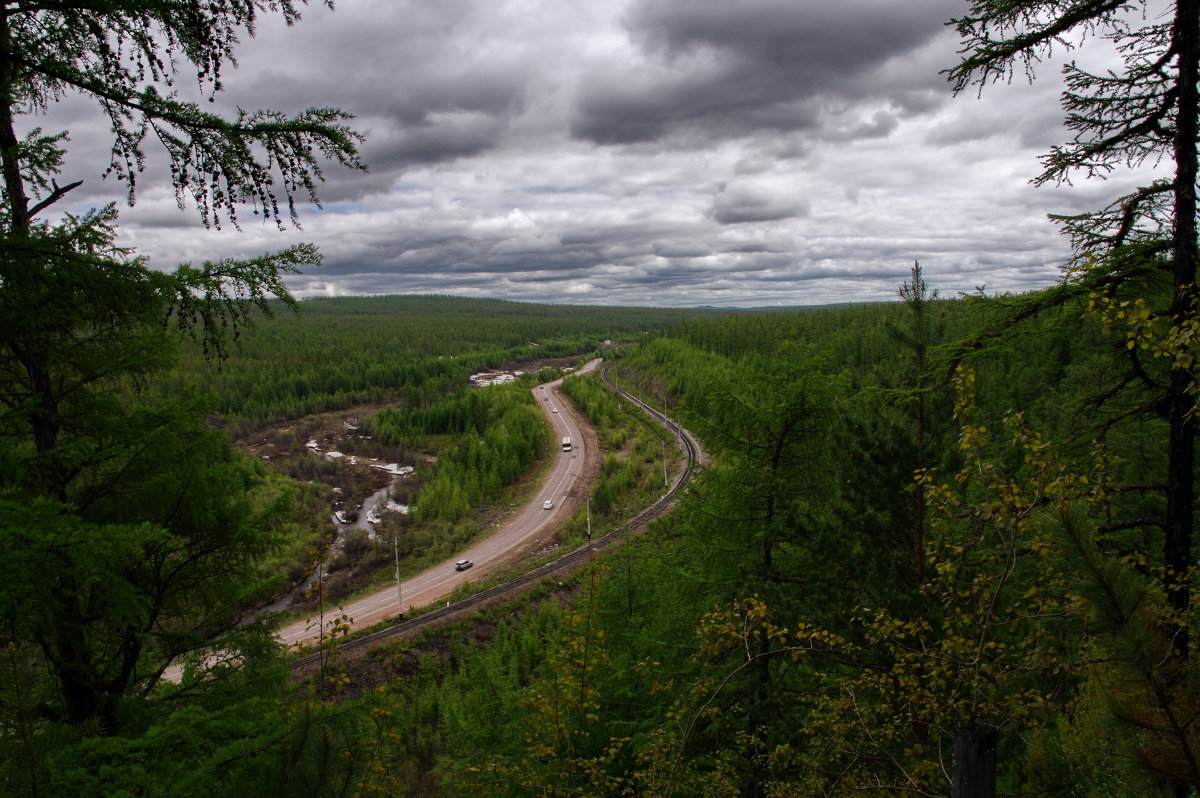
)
(524, 531)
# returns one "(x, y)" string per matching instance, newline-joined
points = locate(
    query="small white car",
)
(548, 505)
(463, 565)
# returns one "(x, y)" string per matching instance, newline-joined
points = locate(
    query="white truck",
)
(567, 444)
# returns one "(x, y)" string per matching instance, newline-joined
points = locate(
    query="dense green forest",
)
(789, 628)
(939, 546)
(792, 630)
(399, 365)
(417, 350)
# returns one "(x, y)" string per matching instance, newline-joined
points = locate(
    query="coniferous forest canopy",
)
(335, 353)
(940, 546)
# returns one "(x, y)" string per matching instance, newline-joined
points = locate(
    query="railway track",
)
(568, 562)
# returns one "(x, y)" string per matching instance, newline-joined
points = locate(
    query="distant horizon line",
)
(435, 295)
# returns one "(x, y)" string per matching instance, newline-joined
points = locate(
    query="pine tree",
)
(83, 321)
(919, 333)
(1145, 241)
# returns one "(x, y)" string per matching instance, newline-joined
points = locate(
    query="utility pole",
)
(664, 443)
(399, 596)
(589, 514)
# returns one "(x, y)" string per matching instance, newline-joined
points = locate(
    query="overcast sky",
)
(641, 152)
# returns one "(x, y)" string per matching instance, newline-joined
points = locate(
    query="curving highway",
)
(528, 529)
(693, 456)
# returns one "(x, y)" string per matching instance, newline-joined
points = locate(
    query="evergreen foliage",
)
(135, 527)
(837, 669)
(919, 537)
(499, 433)
(417, 350)
(1137, 258)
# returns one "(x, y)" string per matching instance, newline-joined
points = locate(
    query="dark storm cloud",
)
(424, 81)
(722, 69)
(676, 152)
(463, 112)
(420, 94)
(816, 40)
(880, 125)
(434, 140)
(743, 204)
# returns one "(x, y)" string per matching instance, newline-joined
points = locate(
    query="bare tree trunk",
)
(974, 774)
(1177, 543)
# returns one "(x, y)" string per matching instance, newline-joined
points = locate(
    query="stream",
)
(370, 511)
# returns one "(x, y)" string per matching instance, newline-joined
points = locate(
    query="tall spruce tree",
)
(919, 332)
(122, 577)
(1145, 242)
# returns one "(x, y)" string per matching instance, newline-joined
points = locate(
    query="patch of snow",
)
(395, 507)
(333, 455)
(316, 447)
